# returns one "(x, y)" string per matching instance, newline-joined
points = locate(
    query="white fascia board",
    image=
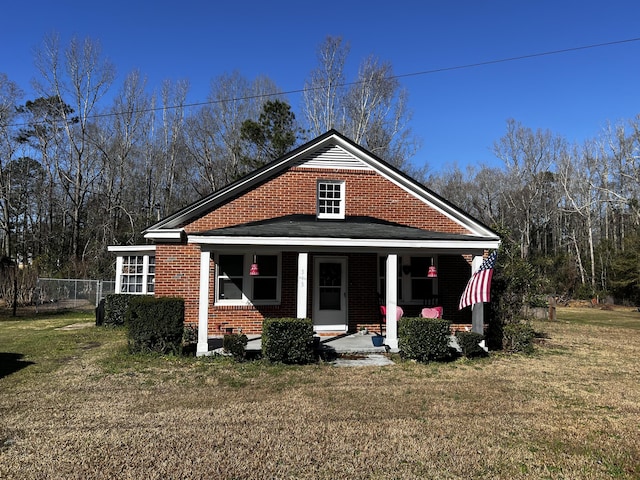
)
(131, 248)
(167, 235)
(288, 242)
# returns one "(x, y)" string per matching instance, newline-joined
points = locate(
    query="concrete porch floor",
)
(341, 344)
(348, 343)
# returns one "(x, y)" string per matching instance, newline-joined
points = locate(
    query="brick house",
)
(328, 232)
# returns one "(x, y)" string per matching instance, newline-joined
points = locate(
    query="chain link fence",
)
(59, 293)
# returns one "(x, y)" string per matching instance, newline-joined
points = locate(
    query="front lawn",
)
(74, 404)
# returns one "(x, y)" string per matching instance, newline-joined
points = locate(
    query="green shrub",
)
(190, 334)
(518, 338)
(155, 324)
(494, 333)
(115, 308)
(537, 301)
(288, 340)
(235, 343)
(424, 339)
(470, 344)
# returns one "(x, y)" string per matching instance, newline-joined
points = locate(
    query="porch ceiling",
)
(352, 231)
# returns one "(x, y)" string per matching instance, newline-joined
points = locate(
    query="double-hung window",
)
(230, 277)
(235, 285)
(136, 273)
(331, 199)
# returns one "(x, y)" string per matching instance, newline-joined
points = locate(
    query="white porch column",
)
(119, 262)
(203, 303)
(303, 258)
(391, 289)
(477, 309)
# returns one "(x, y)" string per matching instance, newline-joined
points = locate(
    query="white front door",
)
(330, 294)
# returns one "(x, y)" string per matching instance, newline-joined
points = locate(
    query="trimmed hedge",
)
(115, 308)
(155, 324)
(518, 338)
(288, 340)
(235, 344)
(470, 344)
(424, 339)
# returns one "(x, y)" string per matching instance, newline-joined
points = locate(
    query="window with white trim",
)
(235, 286)
(137, 274)
(414, 286)
(331, 199)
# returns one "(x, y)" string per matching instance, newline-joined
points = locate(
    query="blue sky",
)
(458, 114)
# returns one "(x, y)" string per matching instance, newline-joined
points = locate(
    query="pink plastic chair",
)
(383, 312)
(435, 312)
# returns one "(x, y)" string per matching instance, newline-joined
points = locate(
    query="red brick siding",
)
(178, 275)
(294, 192)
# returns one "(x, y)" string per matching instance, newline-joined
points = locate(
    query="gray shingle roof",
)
(308, 226)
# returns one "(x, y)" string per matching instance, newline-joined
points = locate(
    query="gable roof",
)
(331, 147)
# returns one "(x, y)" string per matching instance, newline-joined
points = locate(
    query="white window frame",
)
(148, 277)
(247, 281)
(341, 199)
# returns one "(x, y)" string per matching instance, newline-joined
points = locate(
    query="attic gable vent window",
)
(331, 199)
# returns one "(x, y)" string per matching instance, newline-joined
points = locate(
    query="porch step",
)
(325, 334)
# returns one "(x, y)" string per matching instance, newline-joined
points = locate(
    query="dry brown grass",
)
(572, 410)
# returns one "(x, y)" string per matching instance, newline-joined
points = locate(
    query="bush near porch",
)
(288, 340)
(424, 339)
(116, 306)
(155, 324)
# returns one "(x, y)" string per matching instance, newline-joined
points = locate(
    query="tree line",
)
(86, 163)
(569, 211)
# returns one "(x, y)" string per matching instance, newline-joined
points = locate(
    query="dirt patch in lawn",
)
(77, 326)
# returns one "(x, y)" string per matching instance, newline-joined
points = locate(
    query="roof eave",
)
(317, 242)
(131, 248)
(165, 234)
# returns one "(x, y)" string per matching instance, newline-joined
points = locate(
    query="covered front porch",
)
(342, 293)
(338, 273)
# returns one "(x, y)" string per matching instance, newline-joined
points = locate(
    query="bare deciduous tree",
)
(325, 88)
(79, 76)
(9, 96)
(214, 133)
(528, 157)
(372, 110)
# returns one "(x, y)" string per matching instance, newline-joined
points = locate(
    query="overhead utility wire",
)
(346, 84)
(520, 57)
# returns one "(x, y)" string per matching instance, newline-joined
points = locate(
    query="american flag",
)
(478, 287)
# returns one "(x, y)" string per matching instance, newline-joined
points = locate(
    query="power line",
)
(347, 84)
(521, 57)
